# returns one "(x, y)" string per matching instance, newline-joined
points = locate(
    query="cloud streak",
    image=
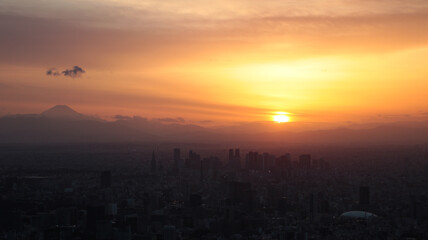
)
(76, 71)
(121, 117)
(171, 120)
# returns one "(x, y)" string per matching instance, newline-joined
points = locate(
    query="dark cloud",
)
(205, 121)
(76, 71)
(52, 72)
(127, 118)
(122, 117)
(171, 120)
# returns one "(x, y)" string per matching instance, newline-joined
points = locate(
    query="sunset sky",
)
(223, 61)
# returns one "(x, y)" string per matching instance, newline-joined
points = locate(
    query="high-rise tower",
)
(153, 163)
(237, 161)
(231, 162)
(364, 195)
(176, 163)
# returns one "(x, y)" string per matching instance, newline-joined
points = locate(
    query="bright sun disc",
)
(281, 118)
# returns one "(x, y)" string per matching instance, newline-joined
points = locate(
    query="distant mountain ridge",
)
(65, 112)
(61, 111)
(61, 124)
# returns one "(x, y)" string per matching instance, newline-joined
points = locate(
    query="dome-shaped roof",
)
(358, 214)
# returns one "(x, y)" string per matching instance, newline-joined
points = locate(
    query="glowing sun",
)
(281, 117)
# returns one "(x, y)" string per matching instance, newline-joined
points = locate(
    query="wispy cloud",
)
(394, 115)
(121, 117)
(171, 120)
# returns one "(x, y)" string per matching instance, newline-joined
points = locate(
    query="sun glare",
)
(281, 117)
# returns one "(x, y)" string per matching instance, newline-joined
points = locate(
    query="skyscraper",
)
(311, 207)
(426, 151)
(231, 158)
(364, 195)
(153, 163)
(237, 161)
(176, 164)
(249, 160)
(305, 161)
(105, 179)
(201, 171)
(169, 232)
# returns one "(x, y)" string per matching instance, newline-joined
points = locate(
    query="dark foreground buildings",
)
(54, 194)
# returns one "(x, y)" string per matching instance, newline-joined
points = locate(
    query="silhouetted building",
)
(258, 161)
(282, 205)
(201, 171)
(104, 230)
(237, 162)
(169, 232)
(364, 195)
(153, 163)
(426, 151)
(311, 207)
(194, 160)
(105, 179)
(237, 191)
(323, 204)
(234, 159)
(195, 200)
(94, 213)
(305, 161)
(253, 161)
(231, 158)
(176, 165)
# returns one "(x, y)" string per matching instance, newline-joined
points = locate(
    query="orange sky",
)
(224, 61)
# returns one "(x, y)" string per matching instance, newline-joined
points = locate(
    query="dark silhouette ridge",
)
(61, 111)
(63, 124)
(65, 112)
